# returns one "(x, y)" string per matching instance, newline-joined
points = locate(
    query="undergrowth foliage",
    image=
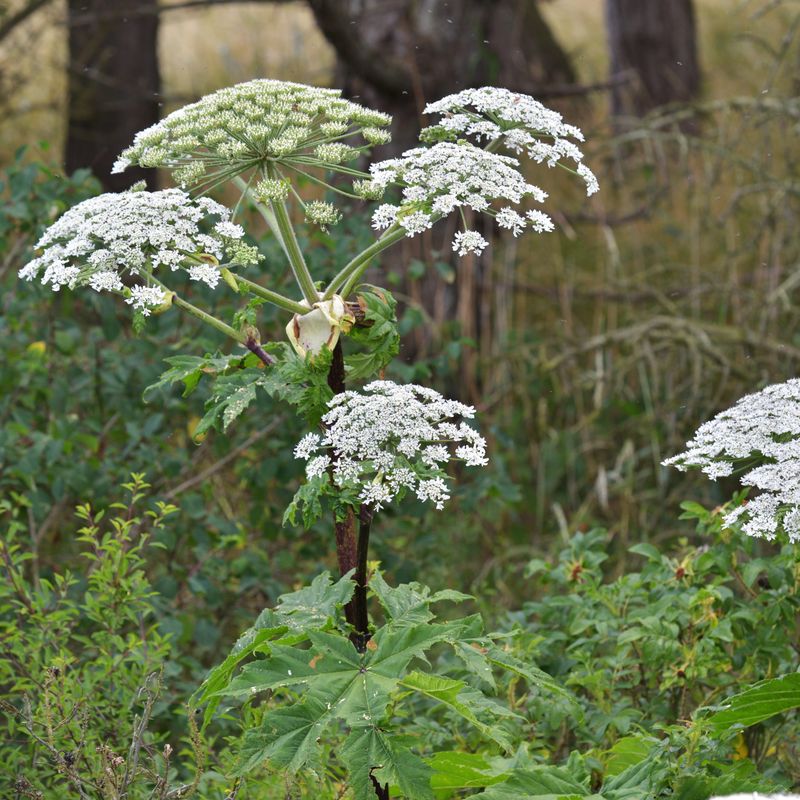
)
(83, 658)
(351, 686)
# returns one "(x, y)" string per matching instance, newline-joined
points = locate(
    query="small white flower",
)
(417, 222)
(205, 273)
(146, 298)
(757, 796)
(58, 274)
(522, 123)
(516, 112)
(590, 178)
(469, 242)
(229, 229)
(323, 214)
(384, 216)
(317, 466)
(434, 490)
(309, 444)
(269, 189)
(540, 222)
(105, 281)
(509, 219)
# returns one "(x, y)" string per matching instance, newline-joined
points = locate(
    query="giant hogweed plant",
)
(338, 678)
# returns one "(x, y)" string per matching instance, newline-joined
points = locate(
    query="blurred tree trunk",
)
(397, 55)
(114, 83)
(653, 50)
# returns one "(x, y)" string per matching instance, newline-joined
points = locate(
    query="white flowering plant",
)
(757, 439)
(281, 146)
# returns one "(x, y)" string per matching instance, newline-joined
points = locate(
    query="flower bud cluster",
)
(760, 435)
(441, 179)
(390, 439)
(245, 126)
(521, 123)
(321, 213)
(106, 238)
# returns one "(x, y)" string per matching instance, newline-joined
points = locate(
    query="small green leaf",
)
(456, 770)
(380, 339)
(230, 396)
(551, 783)
(288, 737)
(626, 752)
(189, 369)
(637, 781)
(456, 697)
(314, 606)
(368, 753)
(407, 604)
(532, 674)
(647, 550)
(307, 501)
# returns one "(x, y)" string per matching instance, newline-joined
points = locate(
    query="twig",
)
(139, 730)
(17, 19)
(224, 461)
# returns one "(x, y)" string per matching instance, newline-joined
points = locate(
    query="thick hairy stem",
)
(347, 553)
(360, 596)
(345, 529)
(381, 792)
(351, 553)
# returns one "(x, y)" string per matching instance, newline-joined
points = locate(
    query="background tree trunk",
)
(653, 50)
(114, 83)
(397, 55)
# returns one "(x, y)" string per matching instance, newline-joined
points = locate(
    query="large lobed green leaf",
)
(761, 701)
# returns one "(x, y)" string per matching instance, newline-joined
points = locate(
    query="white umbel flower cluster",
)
(520, 122)
(441, 179)
(760, 435)
(756, 796)
(108, 237)
(241, 127)
(390, 439)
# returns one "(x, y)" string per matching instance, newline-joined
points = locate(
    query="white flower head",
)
(522, 124)
(757, 796)
(390, 439)
(440, 179)
(247, 125)
(129, 235)
(760, 435)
